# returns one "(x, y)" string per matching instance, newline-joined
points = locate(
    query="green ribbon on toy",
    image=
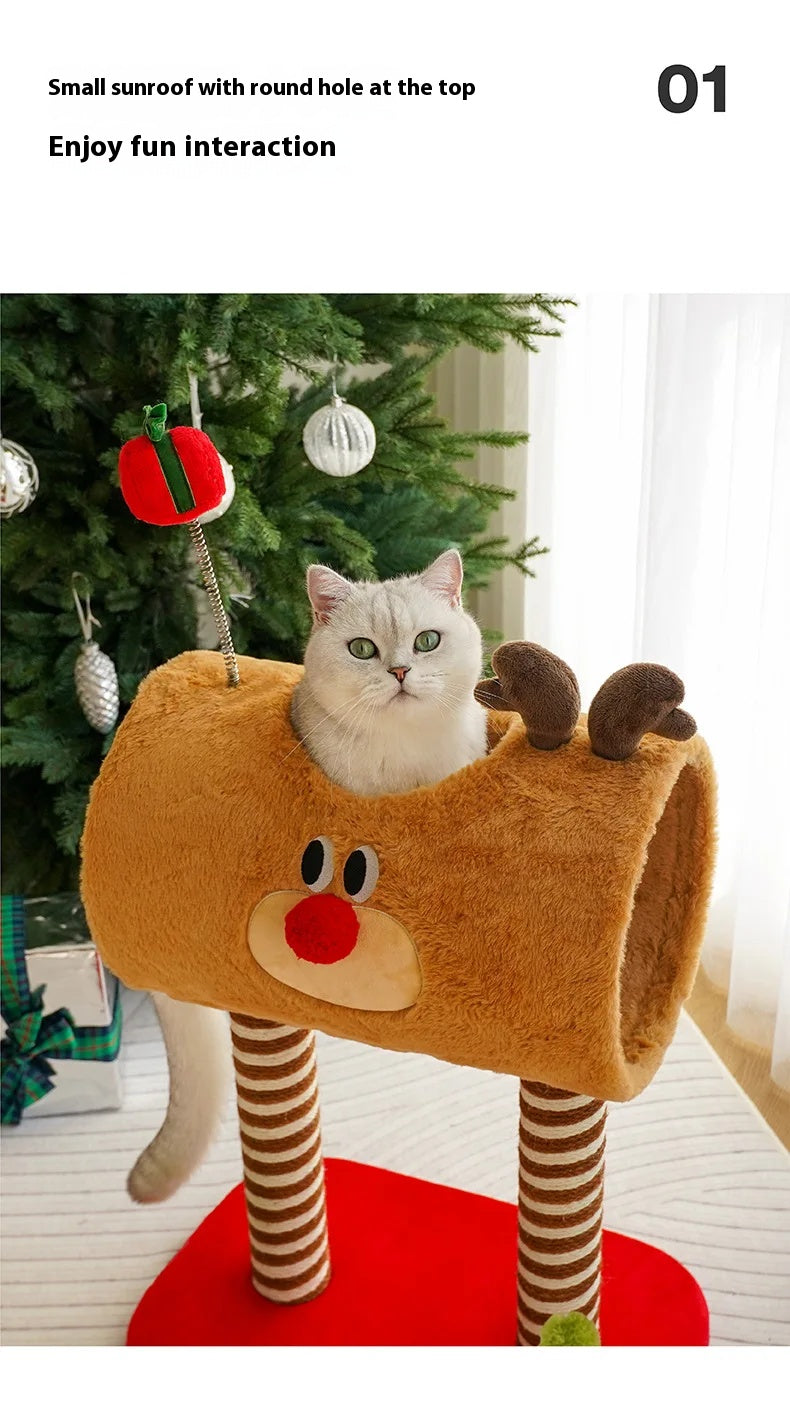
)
(155, 421)
(32, 1037)
(169, 461)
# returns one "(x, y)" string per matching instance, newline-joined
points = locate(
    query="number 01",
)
(687, 101)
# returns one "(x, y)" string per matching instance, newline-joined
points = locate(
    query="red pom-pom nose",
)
(322, 929)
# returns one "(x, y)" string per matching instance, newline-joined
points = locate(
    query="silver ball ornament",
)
(18, 478)
(339, 439)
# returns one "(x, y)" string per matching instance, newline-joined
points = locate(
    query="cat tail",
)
(197, 1042)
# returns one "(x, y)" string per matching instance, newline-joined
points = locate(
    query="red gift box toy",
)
(172, 476)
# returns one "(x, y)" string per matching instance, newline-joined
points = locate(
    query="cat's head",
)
(404, 644)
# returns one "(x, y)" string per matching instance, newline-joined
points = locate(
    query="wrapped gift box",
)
(61, 1012)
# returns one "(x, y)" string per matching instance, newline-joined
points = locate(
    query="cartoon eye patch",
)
(331, 946)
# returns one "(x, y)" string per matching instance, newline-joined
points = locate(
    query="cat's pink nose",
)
(399, 673)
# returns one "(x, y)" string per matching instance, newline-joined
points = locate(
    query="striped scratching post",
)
(560, 1206)
(277, 1094)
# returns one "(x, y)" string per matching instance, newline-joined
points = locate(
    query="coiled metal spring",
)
(215, 600)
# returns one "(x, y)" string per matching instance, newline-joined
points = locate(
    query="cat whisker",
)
(445, 705)
(367, 725)
(359, 722)
(347, 705)
(447, 696)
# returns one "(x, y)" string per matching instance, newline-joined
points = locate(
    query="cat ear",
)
(326, 590)
(445, 576)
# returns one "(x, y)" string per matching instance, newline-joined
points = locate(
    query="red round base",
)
(413, 1263)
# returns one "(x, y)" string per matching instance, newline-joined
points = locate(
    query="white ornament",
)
(18, 478)
(339, 439)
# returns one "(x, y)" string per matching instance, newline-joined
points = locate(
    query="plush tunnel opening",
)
(662, 940)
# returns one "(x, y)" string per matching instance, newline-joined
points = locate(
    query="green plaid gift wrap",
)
(61, 1012)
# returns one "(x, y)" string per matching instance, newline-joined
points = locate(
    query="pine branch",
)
(77, 370)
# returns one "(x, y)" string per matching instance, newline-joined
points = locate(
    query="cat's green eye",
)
(362, 648)
(427, 641)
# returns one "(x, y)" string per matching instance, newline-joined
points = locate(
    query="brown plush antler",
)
(536, 683)
(642, 697)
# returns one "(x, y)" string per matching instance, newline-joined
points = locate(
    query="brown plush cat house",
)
(538, 913)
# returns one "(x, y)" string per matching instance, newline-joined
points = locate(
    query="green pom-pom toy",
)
(571, 1330)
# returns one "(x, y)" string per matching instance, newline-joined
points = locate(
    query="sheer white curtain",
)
(659, 475)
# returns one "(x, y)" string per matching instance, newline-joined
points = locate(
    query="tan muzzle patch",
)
(334, 950)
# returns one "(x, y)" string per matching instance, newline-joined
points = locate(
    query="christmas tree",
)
(77, 371)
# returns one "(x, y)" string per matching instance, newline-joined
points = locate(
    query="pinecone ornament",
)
(97, 686)
(95, 677)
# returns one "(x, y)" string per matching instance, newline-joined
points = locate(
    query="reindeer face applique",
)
(327, 943)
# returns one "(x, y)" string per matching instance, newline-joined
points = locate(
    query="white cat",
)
(387, 700)
(386, 703)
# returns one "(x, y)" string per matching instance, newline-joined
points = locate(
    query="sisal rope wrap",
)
(277, 1095)
(562, 1139)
